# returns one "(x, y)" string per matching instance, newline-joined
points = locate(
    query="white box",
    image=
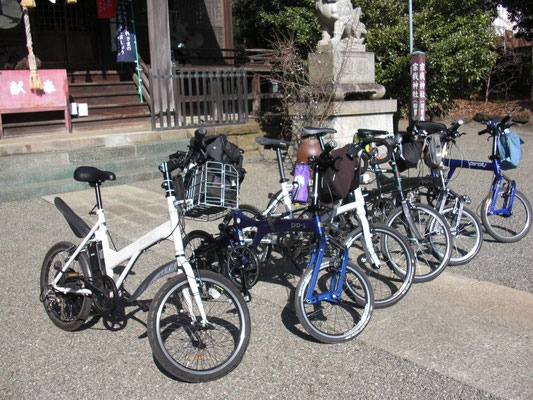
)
(83, 109)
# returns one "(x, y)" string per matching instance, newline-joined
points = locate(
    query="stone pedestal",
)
(349, 116)
(349, 71)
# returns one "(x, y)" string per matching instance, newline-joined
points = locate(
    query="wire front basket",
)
(213, 188)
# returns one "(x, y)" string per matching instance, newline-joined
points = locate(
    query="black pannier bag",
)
(409, 153)
(219, 148)
(213, 185)
(341, 178)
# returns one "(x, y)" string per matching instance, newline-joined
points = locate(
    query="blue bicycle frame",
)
(280, 225)
(496, 185)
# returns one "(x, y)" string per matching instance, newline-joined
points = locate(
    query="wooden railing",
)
(198, 97)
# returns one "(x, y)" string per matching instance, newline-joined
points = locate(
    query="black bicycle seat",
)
(316, 132)
(370, 133)
(427, 127)
(273, 144)
(93, 175)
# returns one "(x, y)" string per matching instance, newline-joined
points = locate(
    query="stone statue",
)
(339, 21)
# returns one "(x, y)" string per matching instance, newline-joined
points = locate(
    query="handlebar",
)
(494, 127)
(372, 152)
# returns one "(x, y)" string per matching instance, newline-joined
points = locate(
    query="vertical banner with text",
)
(418, 86)
(125, 35)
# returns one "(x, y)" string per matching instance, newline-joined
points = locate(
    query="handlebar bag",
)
(219, 148)
(340, 178)
(509, 150)
(433, 151)
(409, 153)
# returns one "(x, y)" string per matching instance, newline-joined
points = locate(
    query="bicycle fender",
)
(163, 270)
(76, 223)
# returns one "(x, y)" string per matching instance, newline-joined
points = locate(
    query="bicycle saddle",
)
(367, 133)
(93, 175)
(316, 132)
(427, 127)
(273, 144)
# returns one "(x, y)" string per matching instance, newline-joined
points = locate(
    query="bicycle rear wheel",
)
(67, 311)
(507, 228)
(433, 250)
(335, 322)
(467, 234)
(186, 349)
(392, 280)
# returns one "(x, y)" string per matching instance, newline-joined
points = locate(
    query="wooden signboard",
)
(16, 96)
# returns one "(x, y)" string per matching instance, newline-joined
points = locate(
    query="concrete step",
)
(34, 175)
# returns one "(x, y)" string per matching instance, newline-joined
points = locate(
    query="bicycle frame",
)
(112, 259)
(496, 184)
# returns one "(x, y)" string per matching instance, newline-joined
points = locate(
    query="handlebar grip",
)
(456, 125)
(483, 132)
(173, 164)
(506, 118)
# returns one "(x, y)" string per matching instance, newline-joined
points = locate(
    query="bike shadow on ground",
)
(283, 272)
(119, 318)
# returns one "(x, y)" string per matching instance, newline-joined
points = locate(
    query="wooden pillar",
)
(159, 39)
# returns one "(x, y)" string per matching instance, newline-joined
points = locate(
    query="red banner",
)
(106, 8)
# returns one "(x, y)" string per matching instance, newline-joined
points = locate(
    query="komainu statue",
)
(339, 21)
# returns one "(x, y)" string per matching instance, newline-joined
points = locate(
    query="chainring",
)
(243, 267)
(106, 297)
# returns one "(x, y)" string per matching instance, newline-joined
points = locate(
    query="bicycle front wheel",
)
(433, 248)
(392, 279)
(340, 321)
(503, 227)
(467, 234)
(186, 348)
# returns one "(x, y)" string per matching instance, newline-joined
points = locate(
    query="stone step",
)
(34, 175)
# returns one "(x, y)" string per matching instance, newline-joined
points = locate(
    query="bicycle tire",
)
(67, 311)
(392, 281)
(171, 328)
(208, 260)
(467, 235)
(357, 305)
(433, 251)
(498, 225)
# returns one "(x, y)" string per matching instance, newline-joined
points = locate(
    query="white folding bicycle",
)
(198, 322)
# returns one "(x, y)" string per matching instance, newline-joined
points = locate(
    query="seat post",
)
(280, 166)
(99, 203)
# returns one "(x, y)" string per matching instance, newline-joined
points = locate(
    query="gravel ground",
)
(111, 357)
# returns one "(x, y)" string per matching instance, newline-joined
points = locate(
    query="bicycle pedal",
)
(247, 298)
